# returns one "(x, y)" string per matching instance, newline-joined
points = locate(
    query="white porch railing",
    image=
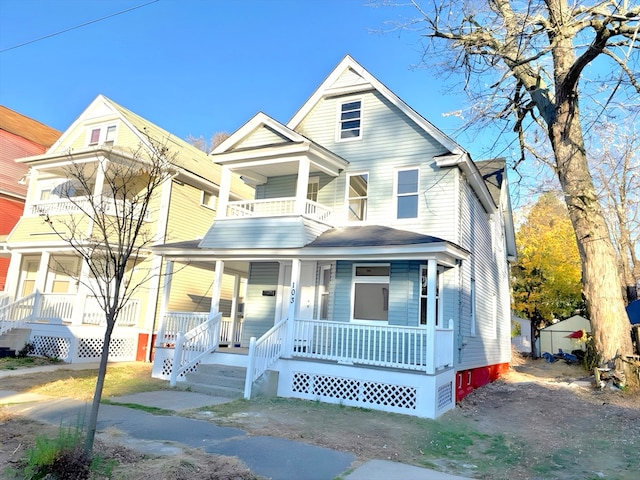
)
(178, 322)
(194, 345)
(230, 334)
(110, 206)
(277, 207)
(263, 353)
(56, 308)
(383, 346)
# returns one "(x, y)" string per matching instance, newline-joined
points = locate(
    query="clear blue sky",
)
(197, 67)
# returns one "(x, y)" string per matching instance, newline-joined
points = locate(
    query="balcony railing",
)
(278, 207)
(108, 205)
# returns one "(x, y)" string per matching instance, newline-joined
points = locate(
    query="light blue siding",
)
(260, 309)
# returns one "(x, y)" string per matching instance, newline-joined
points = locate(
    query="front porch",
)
(387, 368)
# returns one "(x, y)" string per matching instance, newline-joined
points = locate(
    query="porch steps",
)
(219, 380)
(15, 339)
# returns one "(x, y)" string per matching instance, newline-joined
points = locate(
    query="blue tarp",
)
(633, 311)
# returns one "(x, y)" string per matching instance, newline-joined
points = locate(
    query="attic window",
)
(95, 136)
(111, 135)
(350, 120)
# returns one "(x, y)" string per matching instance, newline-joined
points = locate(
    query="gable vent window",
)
(350, 120)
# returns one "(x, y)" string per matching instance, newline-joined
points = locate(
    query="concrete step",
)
(218, 380)
(6, 352)
(15, 339)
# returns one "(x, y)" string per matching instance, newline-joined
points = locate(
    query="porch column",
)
(96, 195)
(12, 284)
(294, 296)
(224, 192)
(302, 185)
(164, 302)
(43, 270)
(80, 301)
(217, 287)
(432, 278)
(234, 310)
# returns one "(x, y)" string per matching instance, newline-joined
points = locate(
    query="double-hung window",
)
(106, 135)
(371, 292)
(350, 120)
(357, 196)
(424, 296)
(407, 182)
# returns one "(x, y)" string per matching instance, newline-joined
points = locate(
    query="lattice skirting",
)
(365, 393)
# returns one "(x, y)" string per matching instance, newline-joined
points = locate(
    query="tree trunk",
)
(601, 284)
(92, 422)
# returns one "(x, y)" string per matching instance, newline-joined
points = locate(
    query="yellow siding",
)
(188, 219)
(31, 229)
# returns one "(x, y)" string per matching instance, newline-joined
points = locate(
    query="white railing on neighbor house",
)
(277, 207)
(194, 345)
(176, 322)
(56, 308)
(263, 353)
(110, 206)
(384, 346)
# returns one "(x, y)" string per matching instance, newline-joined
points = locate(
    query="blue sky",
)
(197, 67)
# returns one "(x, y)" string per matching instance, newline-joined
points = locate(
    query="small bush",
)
(28, 349)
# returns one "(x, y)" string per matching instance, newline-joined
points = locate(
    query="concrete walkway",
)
(271, 457)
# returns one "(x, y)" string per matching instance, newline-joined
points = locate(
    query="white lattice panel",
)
(366, 394)
(118, 348)
(445, 395)
(53, 347)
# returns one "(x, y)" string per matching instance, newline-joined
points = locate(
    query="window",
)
(208, 200)
(371, 292)
(111, 135)
(312, 189)
(407, 193)
(350, 120)
(358, 187)
(95, 136)
(323, 292)
(424, 295)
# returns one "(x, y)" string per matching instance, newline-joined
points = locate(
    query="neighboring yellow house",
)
(47, 279)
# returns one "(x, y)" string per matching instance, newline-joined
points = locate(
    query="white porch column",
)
(80, 302)
(432, 278)
(43, 270)
(164, 302)
(13, 275)
(234, 310)
(303, 183)
(217, 287)
(96, 195)
(294, 296)
(225, 191)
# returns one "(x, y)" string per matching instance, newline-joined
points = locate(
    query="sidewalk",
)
(271, 457)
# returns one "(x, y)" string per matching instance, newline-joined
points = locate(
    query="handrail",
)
(16, 314)
(194, 345)
(263, 353)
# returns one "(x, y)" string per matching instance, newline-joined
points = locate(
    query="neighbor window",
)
(111, 135)
(407, 193)
(312, 189)
(350, 120)
(95, 136)
(208, 200)
(358, 189)
(371, 292)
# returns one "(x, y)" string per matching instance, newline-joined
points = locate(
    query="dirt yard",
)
(540, 421)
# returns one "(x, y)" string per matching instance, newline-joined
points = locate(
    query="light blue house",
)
(372, 266)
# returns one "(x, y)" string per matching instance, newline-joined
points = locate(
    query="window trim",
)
(348, 197)
(103, 131)
(340, 121)
(397, 195)
(374, 279)
(439, 293)
(214, 200)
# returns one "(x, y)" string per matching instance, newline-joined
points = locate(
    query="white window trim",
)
(321, 292)
(347, 197)
(102, 135)
(473, 307)
(439, 302)
(396, 195)
(371, 279)
(313, 181)
(214, 200)
(339, 120)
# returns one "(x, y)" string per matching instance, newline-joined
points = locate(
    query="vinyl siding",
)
(262, 136)
(188, 218)
(390, 141)
(275, 232)
(260, 310)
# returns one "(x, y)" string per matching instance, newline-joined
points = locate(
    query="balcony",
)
(279, 207)
(82, 205)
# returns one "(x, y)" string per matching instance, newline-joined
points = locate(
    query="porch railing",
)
(385, 346)
(277, 207)
(194, 345)
(109, 206)
(57, 308)
(178, 322)
(263, 353)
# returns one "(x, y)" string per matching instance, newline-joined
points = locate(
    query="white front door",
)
(306, 290)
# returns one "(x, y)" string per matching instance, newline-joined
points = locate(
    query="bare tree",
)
(524, 61)
(111, 231)
(616, 165)
(206, 146)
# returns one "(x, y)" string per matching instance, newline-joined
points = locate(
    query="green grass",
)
(9, 363)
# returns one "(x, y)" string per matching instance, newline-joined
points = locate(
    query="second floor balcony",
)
(277, 207)
(83, 205)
